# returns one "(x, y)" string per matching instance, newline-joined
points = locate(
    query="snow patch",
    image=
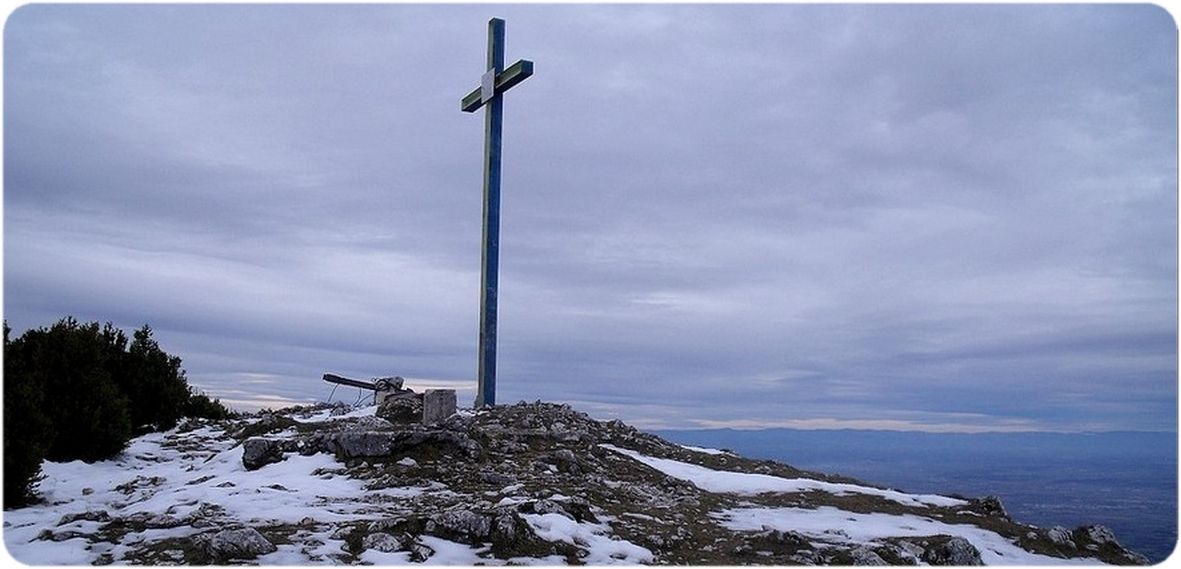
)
(601, 549)
(745, 483)
(156, 476)
(704, 450)
(446, 553)
(832, 525)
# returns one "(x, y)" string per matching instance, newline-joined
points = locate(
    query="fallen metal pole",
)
(331, 378)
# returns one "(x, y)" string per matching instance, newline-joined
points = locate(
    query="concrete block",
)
(437, 405)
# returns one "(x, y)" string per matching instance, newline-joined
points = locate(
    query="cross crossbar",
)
(505, 80)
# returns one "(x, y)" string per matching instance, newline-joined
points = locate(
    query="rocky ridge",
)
(531, 483)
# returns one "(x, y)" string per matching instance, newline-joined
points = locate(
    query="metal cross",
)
(493, 84)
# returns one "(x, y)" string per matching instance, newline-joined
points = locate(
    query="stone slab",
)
(437, 405)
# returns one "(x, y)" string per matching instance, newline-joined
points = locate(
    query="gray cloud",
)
(933, 217)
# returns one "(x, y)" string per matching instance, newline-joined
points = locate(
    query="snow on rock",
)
(176, 485)
(955, 551)
(1100, 534)
(383, 542)
(751, 483)
(704, 450)
(601, 548)
(244, 543)
(831, 525)
(258, 452)
(431, 551)
(1060, 536)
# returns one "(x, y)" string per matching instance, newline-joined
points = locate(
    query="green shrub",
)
(78, 392)
(27, 429)
(71, 363)
(200, 405)
(151, 379)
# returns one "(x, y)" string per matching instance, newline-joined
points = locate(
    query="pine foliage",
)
(80, 392)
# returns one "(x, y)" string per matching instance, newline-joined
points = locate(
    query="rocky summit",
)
(531, 483)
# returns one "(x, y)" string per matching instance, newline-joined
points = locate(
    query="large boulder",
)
(469, 526)
(258, 452)
(401, 409)
(362, 444)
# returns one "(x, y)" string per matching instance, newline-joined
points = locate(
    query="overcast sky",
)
(944, 218)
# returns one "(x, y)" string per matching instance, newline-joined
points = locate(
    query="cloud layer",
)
(931, 217)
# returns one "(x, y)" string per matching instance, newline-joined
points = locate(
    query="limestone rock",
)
(1136, 559)
(911, 549)
(401, 409)
(382, 542)
(245, 543)
(989, 506)
(865, 556)
(807, 557)
(90, 516)
(361, 444)
(418, 551)
(440, 437)
(154, 521)
(1100, 535)
(900, 554)
(550, 507)
(511, 533)
(1060, 536)
(464, 524)
(496, 478)
(258, 452)
(955, 551)
(370, 424)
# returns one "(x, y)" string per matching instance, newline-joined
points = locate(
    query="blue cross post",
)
(493, 84)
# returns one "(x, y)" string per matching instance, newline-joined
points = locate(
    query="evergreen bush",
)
(79, 392)
(151, 379)
(200, 405)
(71, 362)
(27, 429)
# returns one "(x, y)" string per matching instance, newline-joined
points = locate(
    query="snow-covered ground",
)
(179, 484)
(175, 478)
(594, 537)
(827, 524)
(154, 478)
